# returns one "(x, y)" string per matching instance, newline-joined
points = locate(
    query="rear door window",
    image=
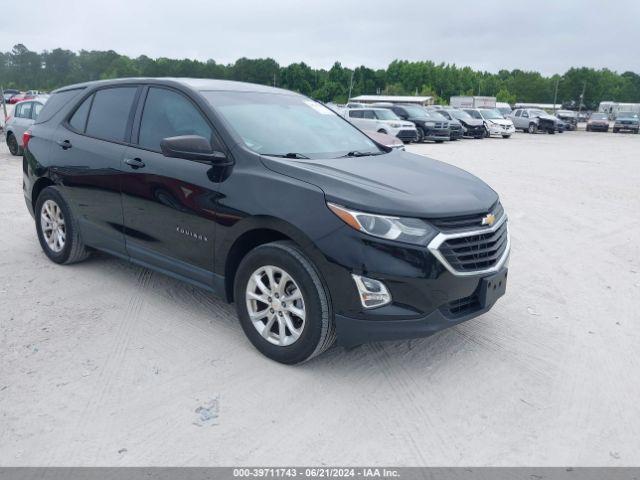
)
(168, 113)
(355, 114)
(110, 112)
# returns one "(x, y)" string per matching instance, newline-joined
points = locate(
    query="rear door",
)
(87, 152)
(169, 203)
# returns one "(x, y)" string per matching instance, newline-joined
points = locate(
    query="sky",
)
(544, 35)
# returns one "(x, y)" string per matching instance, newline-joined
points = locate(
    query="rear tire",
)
(12, 143)
(57, 229)
(312, 333)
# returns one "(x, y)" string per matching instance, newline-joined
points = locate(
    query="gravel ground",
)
(105, 363)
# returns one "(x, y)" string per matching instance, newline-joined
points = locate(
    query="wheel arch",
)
(38, 186)
(255, 232)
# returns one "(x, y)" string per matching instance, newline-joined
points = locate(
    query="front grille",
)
(453, 126)
(467, 221)
(463, 305)
(476, 252)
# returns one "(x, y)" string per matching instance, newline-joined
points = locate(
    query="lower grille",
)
(407, 134)
(463, 305)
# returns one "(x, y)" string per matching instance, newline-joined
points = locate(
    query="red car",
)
(28, 95)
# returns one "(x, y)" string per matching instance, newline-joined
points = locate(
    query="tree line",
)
(25, 69)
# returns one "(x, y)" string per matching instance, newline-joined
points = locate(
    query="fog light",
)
(373, 293)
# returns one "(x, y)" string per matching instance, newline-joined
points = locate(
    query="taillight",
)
(26, 136)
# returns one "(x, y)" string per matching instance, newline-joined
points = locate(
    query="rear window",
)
(109, 113)
(55, 103)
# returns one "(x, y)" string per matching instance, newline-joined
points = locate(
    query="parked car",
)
(382, 120)
(569, 117)
(9, 93)
(532, 120)
(429, 125)
(24, 114)
(454, 125)
(28, 95)
(386, 140)
(598, 122)
(626, 122)
(471, 127)
(269, 200)
(494, 122)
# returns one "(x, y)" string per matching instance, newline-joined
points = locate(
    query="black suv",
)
(429, 125)
(267, 199)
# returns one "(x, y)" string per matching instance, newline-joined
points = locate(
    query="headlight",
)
(430, 124)
(395, 125)
(409, 230)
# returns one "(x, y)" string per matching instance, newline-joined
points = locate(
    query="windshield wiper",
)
(286, 155)
(356, 153)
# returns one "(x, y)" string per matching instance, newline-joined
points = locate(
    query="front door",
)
(169, 203)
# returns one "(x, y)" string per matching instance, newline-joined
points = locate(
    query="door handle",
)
(64, 144)
(134, 163)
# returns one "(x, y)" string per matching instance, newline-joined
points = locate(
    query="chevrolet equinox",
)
(270, 200)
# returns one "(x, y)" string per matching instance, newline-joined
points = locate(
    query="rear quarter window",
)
(56, 102)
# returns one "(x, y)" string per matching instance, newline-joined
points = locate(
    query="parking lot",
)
(106, 363)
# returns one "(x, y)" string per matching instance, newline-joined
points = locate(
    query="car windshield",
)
(289, 125)
(491, 114)
(567, 113)
(415, 111)
(627, 115)
(537, 112)
(459, 114)
(599, 116)
(384, 114)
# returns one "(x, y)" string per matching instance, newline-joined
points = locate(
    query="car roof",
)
(198, 84)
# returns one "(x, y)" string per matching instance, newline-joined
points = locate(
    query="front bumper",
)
(499, 130)
(428, 293)
(626, 127)
(352, 331)
(437, 135)
(603, 127)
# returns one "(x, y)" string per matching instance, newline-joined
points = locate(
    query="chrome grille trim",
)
(434, 248)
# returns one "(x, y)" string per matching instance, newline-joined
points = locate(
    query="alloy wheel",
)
(53, 225)
(275, 305)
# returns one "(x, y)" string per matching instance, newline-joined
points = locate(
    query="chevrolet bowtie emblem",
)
(489, 219)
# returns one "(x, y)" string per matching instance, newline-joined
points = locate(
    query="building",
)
(392, 99)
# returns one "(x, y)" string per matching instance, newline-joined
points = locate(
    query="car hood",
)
(397, 183)
(547, 117)
(501, 121)
(472, 122)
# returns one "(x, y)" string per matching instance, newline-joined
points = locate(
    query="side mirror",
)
(190, 147)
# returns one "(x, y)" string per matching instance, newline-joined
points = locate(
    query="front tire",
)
(12, 143)
(533, 128)
(282, 303)
(420, 138)
(57, 229)
(506, 136)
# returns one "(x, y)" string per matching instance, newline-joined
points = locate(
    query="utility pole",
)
(351, 85)
(4, 105)
(584, 87)
(555, 96)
